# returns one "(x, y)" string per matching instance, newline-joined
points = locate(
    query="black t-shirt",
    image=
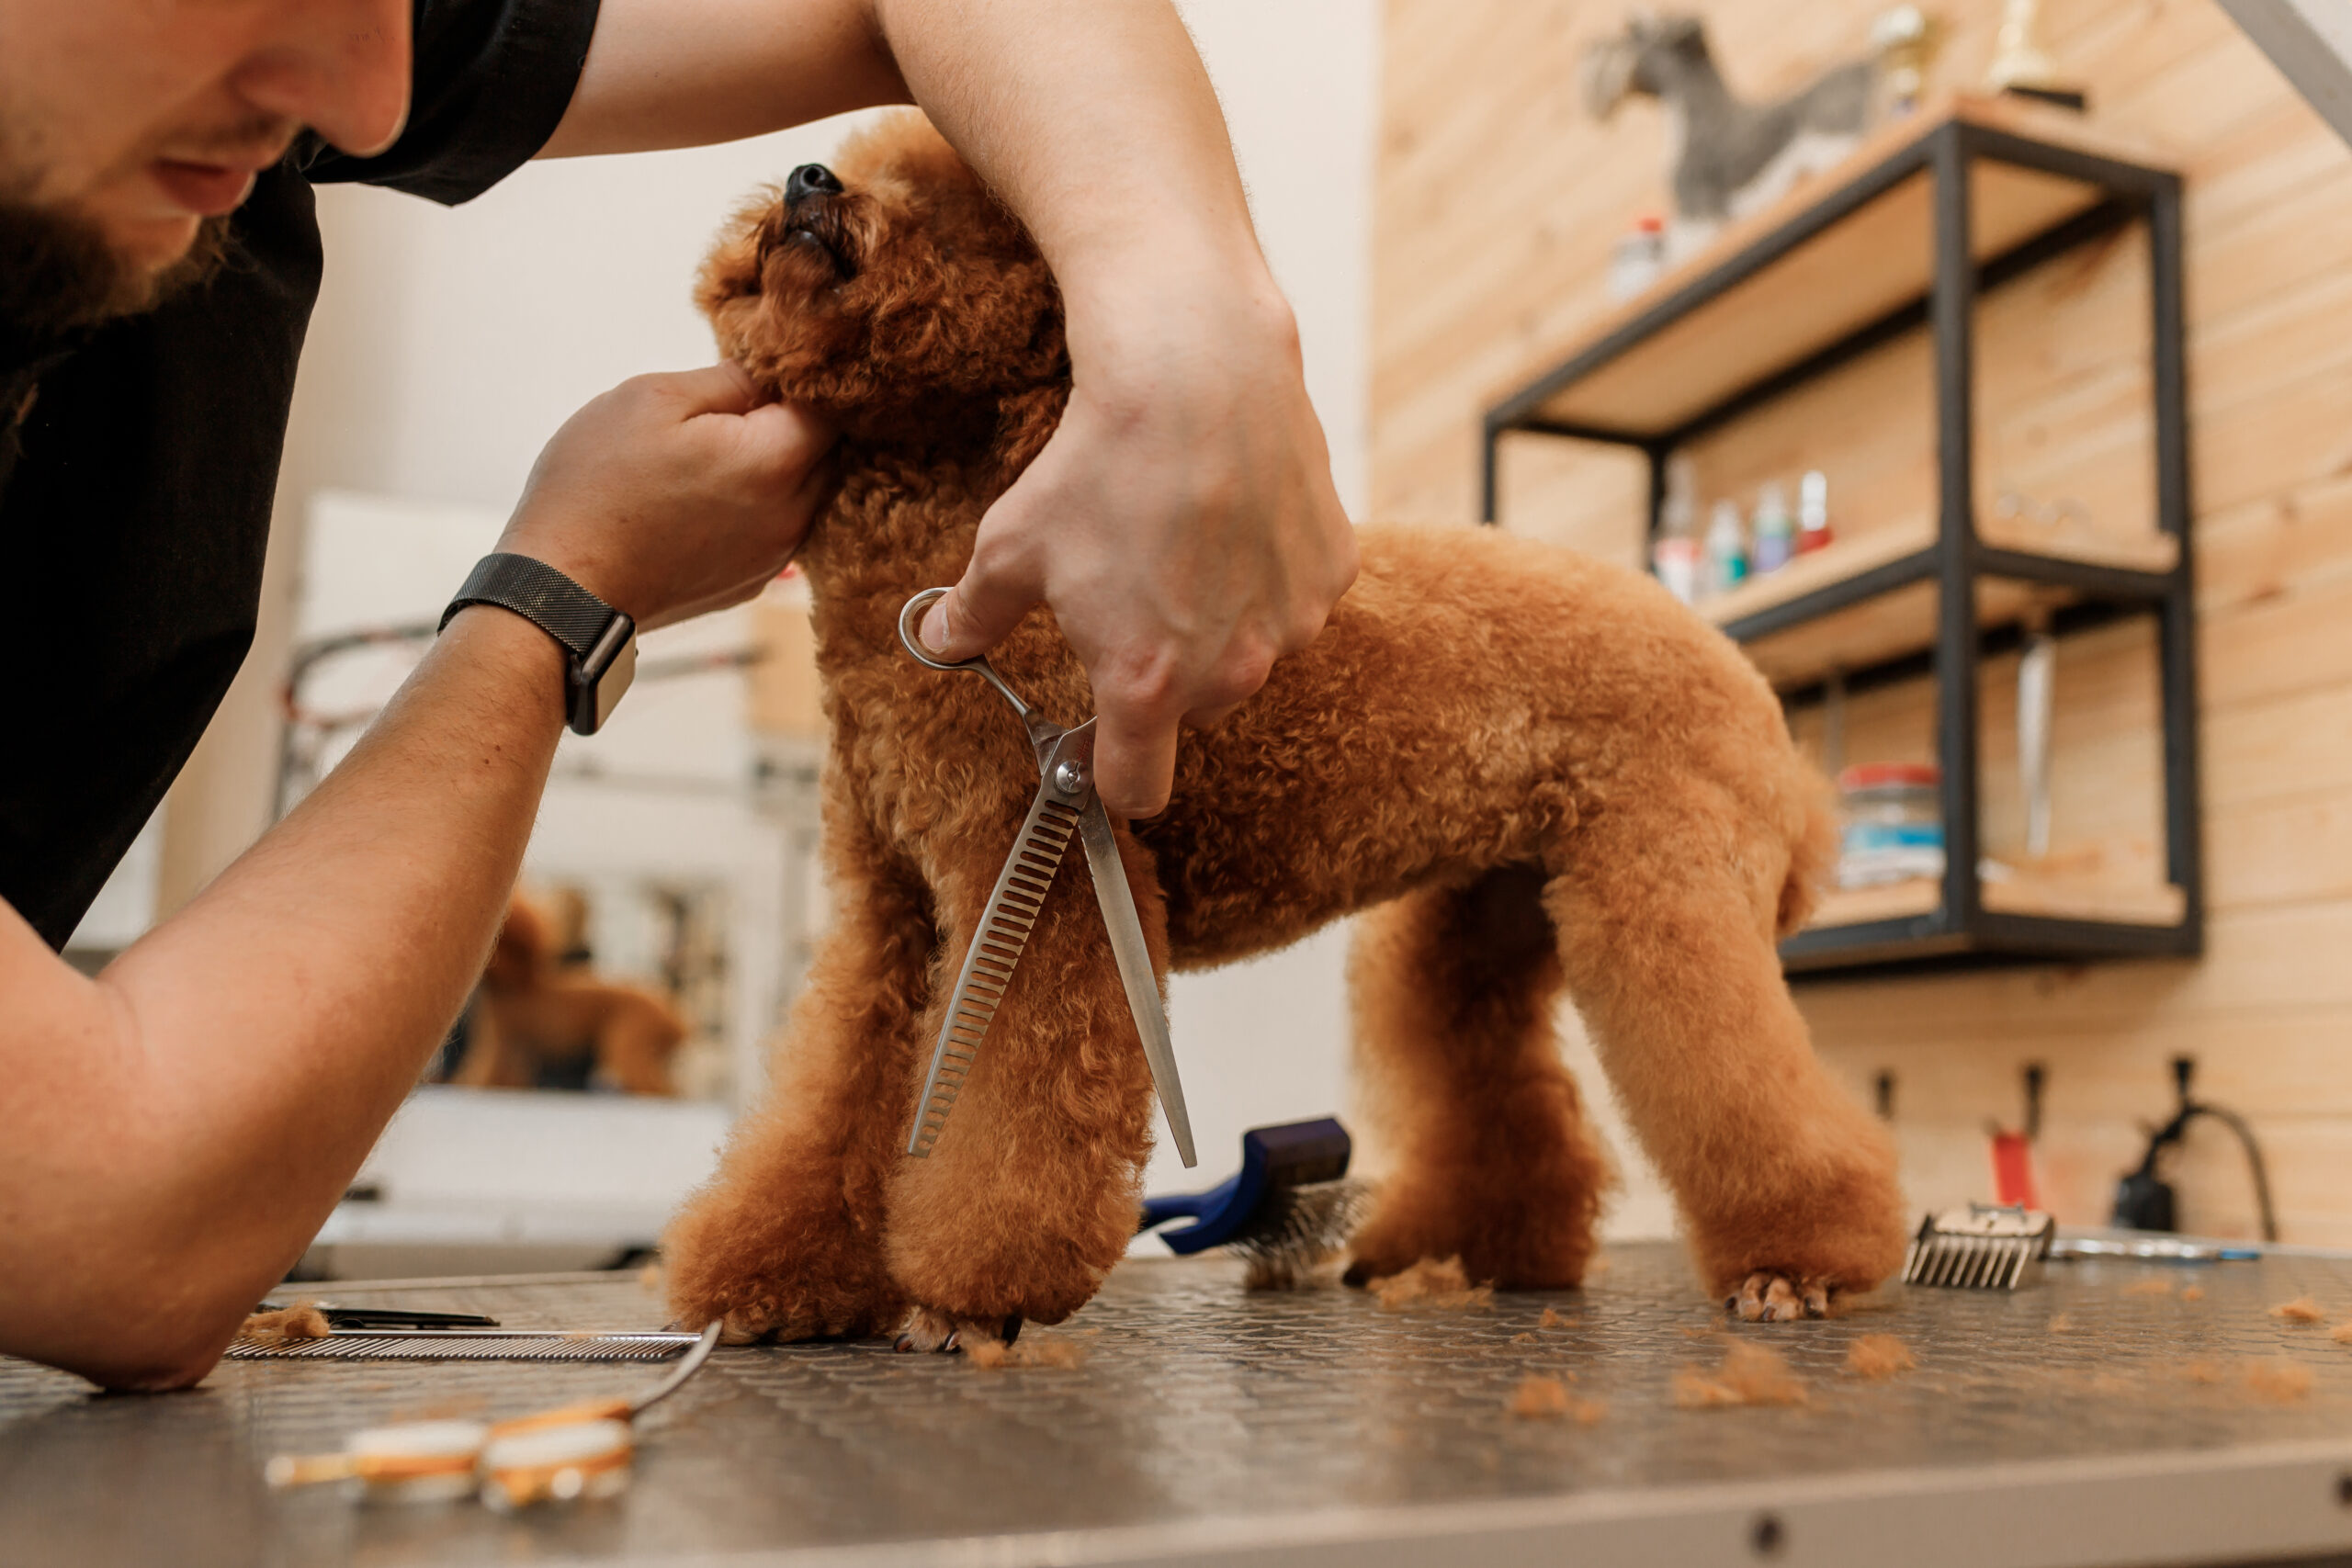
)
(137, 485)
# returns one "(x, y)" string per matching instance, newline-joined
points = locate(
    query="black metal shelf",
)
(2069, 196)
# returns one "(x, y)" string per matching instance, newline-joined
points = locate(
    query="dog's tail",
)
(1813, 851)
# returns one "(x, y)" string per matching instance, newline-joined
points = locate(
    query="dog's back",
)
(1475, 698)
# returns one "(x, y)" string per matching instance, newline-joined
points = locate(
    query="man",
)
(173, 1131)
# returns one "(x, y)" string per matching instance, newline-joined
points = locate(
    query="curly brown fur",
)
(532, 1012)
(1551, 774)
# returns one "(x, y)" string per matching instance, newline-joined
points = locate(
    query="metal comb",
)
(1984, 1247)
(469, 1345)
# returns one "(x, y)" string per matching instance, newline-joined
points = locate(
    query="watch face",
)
(595, 693)
(616, 677)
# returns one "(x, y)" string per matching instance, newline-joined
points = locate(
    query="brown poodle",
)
(1529, 771)
(532, 1012)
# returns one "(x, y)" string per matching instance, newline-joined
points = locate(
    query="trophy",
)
(2019, 66)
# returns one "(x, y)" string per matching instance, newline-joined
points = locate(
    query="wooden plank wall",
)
(1497, 201)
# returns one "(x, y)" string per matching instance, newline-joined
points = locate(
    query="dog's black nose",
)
(810, 177)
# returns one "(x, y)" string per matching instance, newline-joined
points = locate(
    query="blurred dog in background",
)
(533, 1014)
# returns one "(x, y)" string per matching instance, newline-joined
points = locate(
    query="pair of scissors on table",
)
(1065, 804)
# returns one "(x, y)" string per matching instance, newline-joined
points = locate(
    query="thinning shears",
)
(1065, 804)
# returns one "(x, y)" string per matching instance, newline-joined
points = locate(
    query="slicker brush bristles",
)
(1300, 1230)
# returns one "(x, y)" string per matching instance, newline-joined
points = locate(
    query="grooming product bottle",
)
(1726, 549)
(1773, 531)
(1893, 826)
(1637, 259)
(1813, 512)
(1675, 555)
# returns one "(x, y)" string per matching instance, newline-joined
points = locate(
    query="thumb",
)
(975, 614)
(791, 437)
(723, 388)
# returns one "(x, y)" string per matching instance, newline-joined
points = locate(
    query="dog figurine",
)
(532, 1013)
(1527, 770)
(1729, 157)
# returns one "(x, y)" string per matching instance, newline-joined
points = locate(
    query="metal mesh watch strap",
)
(538, 593)
(599, 641)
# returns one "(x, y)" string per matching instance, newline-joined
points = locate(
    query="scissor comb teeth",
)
(1012, 910)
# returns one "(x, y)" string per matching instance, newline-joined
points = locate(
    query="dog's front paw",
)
(766, 1288)
(1767, 1296)
(929, 1329)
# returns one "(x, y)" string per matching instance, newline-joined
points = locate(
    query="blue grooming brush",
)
(1284, 1210)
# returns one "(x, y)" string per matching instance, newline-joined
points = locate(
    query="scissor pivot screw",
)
(1069, 778)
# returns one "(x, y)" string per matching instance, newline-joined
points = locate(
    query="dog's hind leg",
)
(1785, 1183)
(1029, 1196)
(1454, 991)
(786, 1241)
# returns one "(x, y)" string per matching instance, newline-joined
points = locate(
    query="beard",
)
(58, 274)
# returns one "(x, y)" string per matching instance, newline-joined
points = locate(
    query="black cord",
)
(2172, 1132)
(2237, 1124)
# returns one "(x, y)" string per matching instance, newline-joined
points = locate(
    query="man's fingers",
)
(976, 614)
(1134, 762)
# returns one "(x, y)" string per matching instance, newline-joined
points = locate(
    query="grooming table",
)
(1308, 1428)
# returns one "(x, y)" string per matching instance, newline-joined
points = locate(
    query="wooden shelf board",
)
(1852, 557)
(1834, 564)
(1903, 620)
(2150, 551)
(1912, 897)
(2161, 904)
(1854, 272)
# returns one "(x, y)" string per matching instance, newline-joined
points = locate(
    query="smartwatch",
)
(599, 642)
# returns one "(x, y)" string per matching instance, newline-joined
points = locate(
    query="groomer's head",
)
(127, 126)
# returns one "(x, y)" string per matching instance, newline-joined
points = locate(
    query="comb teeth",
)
(441, 1344)
(1012, 911)
(1981, 1248)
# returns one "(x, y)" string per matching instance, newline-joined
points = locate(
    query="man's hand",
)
(1182, 521)
(672, 495)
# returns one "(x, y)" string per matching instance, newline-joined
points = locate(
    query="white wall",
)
(1267, 1041)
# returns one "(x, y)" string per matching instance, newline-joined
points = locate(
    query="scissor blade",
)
(1003, 932)
(1126, 927)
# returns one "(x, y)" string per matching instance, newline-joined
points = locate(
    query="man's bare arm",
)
(1182, 524)
(179, 1125)
(174, 1131)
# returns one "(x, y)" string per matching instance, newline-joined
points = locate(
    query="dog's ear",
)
(1604, 72)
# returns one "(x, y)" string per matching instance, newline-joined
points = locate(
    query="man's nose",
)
(808, 178)
(341, 69)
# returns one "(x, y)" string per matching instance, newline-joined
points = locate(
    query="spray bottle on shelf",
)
(1813, 512)
(1773, 531)
(1726, 549)
(1675, 554)
(1637, 259)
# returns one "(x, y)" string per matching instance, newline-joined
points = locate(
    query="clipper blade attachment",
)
(1984, 1247)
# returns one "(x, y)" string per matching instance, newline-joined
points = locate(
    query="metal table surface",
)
(1205, 1422)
